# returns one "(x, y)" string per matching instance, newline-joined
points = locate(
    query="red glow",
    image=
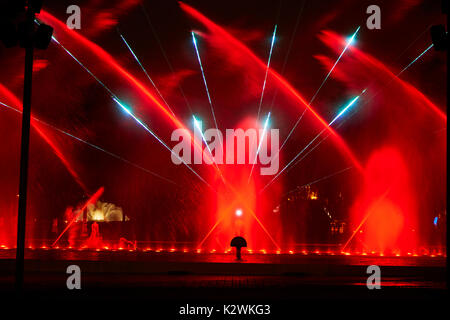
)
(386, 206)
(39, 64)
(236, 207)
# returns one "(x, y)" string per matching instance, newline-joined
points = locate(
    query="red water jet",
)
(384, 217)
(370, 69)
(105, 58)
(92, 199)
(16, 103)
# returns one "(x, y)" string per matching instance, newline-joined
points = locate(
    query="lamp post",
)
(28, 36)
(24, 149)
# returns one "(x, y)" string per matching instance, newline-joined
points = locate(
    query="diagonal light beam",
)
(158, 40)
(127, 110)
(197, 124)
(266, 123)
(92, 145)
(143, 125)
(351, 39)
(92, 199)
(349, 42)
(346, 108)
(267, 72)
(283, 83)
(11, 97)
(204, 78)
(365, 219)
(144, 70)
(216, 224)
(319, 180)
(411, 63)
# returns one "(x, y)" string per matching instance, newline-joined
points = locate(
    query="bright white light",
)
(238, 212)
(350, 41)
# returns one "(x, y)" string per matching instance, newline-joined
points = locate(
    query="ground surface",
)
(182, 276)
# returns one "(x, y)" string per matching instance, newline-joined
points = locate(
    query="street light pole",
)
(14, 29)
(25, 147)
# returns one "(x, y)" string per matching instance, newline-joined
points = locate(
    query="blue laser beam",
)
(292, 130)
(418, 57)
(328, 176)
(320, 142)
(307, 153)
(295, 158)
(128, 111)
(349, 42)
(145, 71)
(345, 109)
(204, 78)
(266, 124)
(93, 145)
(319, 180)
(83, 66)
(143, 125)
(267, 71)
(197, 125)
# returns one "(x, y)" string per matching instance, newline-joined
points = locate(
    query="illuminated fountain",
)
(209, 205)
